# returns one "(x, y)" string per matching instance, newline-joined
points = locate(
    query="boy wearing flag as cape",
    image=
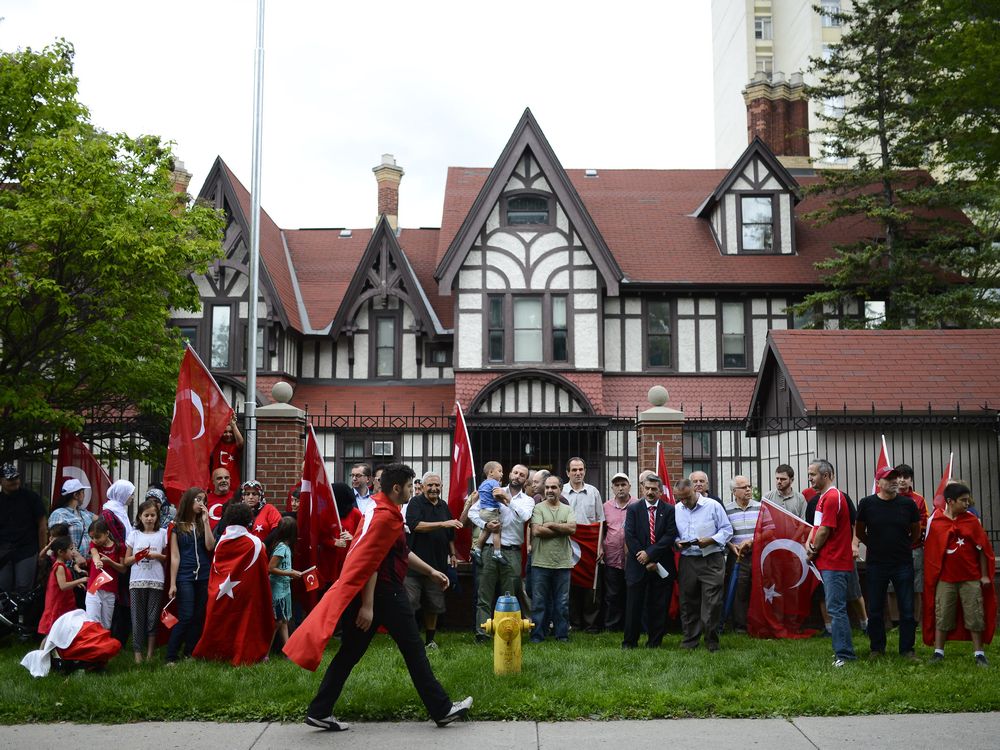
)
(370, 593)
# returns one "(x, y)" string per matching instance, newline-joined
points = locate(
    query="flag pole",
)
(251, 394)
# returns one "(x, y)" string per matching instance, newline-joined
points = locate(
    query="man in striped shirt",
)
(742, 510)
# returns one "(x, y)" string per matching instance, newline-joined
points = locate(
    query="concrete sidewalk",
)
(966, 731)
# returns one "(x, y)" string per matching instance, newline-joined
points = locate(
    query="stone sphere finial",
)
(658, 395)
(281, 392)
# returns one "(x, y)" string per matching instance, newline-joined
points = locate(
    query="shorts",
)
(489, 514)
(282, 608)
(918, 570)
(424, 594)
(946, 598)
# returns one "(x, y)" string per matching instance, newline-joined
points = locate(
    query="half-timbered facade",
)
(547, 303)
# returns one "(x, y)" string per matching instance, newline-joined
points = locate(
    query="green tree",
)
(922, 255)
(96, 248)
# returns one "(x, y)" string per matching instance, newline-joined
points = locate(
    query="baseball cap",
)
(73, 485)
(9, 471)
(886, 472)
(620, 475)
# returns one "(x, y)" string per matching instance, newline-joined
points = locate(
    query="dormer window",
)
(528, 210)
(757, 223)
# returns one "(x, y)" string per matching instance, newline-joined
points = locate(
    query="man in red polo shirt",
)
(830, 549)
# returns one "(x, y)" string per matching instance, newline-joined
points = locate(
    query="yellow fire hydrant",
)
(507, 624)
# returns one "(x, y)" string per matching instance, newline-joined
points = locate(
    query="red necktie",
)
(652, 523)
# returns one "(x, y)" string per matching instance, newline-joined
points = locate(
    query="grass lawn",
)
(588, 678)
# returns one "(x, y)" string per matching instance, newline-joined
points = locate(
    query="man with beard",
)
(515, 510)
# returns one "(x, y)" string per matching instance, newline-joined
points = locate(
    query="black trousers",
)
(391, 610)
(649, 596)
(614, 598)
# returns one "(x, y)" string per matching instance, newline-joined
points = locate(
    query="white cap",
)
(71, 486)
(620, 475)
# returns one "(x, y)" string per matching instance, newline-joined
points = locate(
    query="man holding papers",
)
(650, 532)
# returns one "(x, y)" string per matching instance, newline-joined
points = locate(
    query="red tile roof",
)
(944, 370)
(397, 400)
(272, 251)
(324, 264)
(695, 395)
(644, 216)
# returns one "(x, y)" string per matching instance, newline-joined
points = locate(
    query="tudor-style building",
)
(547, 304)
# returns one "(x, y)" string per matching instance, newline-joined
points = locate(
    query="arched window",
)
(527, 210)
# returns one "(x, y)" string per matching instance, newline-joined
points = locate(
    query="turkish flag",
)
(881, 463)
(77, 462)
(783, 581)
(239, 620)
(459, 485)
(201, 414)
(945, 478)
(944, 536)
(318, 518)
(661, 472)
(93, 644)
(380, 531)
(310, 579)
(99, 580)
(585, 543)
(168, 618)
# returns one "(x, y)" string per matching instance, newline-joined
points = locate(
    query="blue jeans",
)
(192, 596)
(550, 602)
(901, 576)
(835, 588)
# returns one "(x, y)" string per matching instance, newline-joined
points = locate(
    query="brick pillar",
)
(661, 424)
(280, 443)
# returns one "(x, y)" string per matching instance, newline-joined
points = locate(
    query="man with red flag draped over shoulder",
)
(370, 593)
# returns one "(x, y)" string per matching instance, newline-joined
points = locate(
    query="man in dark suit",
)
(650, 532)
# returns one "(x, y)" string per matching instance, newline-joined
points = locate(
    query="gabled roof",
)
(527, 136)
(887, 372)
(274, 267)
(645, 217)
(367, 282)
(759, 150)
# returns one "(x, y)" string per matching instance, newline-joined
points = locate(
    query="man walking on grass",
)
(370, 593)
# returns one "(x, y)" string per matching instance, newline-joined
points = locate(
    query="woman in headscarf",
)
(265, 516)
(167, 511)
(115, 514)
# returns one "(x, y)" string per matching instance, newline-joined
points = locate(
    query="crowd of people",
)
(678, 553)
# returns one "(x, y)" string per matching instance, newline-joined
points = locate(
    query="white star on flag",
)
(258, 527)
(960, 541)
(226, 588)
(770, 593)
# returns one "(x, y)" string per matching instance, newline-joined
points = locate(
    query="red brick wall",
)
(669, 434)
(280, 450)
(388, 197)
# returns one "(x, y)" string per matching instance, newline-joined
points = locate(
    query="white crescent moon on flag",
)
(576, 551)
(257, 546)
(198, 407)
(792, 546)
(75, 472)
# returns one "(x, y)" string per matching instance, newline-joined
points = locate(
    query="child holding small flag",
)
(281, 574)
(144, 554)
(105, 565)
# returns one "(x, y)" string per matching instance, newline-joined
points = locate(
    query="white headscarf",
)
(118, 495)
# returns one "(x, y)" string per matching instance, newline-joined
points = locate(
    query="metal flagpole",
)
(251, 398)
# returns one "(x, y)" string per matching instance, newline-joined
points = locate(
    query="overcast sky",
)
(613, 85)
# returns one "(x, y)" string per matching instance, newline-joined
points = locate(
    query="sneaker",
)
(432, 646)
(823, 633)
(911, 656)
(329, 724)
(936, 657)
(839, 662)
(477, 555)
(499, 559)
(458, 711)
(981, 660)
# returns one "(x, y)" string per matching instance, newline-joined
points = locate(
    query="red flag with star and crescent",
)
(318, 519)
(381, 529)
(963, 539)
(239, 619)
(668, 497)
(201, 414)
(460, 483)
(881, 462)
(77, 462)
(783, 580)
(585, 542)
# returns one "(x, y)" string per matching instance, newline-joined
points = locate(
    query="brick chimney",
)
(388, 175)
(180, 177)
(778, 114)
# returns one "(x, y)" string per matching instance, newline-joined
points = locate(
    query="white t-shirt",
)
(147, 573)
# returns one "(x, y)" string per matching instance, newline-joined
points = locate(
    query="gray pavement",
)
(966, 731)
